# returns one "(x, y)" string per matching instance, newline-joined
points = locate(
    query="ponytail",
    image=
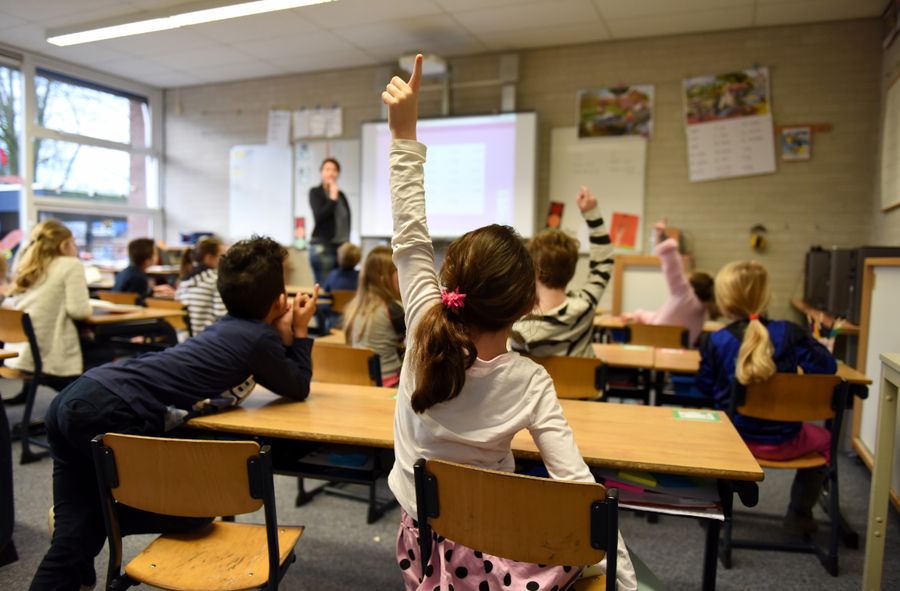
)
(206, 246)
(187, 263)
(754, 362)
(442, 353)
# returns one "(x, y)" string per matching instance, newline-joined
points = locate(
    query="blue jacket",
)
(341, 279)
(793, 348)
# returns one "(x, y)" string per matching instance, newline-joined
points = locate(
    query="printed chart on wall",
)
(890, 149)
(308, 157)
(728, 121)
(613, 169)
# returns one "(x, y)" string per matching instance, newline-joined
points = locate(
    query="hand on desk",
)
(163, 290)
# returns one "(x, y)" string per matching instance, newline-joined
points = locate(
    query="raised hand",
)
(585, 200)
(333, 190)
(303, 309)
(660, 228)
(402, 99)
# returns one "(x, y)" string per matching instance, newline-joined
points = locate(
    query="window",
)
(100, 238)
(10, 154)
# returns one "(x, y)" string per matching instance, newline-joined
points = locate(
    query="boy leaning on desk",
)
(263, 339)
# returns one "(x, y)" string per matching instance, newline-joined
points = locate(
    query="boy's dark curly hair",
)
(251, 277)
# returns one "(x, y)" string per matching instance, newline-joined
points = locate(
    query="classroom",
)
(449, 294)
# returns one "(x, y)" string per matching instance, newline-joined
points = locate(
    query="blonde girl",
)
(462, 395)
(50, 286)
(374, 318)
(750, 350)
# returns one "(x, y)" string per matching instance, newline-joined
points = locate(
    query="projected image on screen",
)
(479, 171)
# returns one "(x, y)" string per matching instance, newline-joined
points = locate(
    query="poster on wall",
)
(622, 110)
(728, 122)
(796, 143)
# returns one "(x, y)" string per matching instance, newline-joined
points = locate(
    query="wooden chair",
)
(177, 322)
(575, 377)
(193, 478)
(340, 298)
(15, 327)
(522, 518)
(340, 364)
(657, 335)
(798, 397)
(118, 297)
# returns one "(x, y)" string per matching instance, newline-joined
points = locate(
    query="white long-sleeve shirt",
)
(500, 397)
(53, 303)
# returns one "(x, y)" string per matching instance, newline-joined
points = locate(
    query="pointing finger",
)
(416, 76)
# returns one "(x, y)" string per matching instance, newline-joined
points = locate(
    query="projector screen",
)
(479, 170)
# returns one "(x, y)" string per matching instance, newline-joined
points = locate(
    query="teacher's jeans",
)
(79, 413)
(322, 259)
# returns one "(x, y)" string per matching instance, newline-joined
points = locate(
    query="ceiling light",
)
(193, 14)
(432, 65)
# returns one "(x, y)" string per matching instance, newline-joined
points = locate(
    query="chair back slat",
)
(183, 477)
(128, 298)
(340, 298)
(791, 397)
(11, 327)
(573, 377)
(177, 322)
(536, 520)
(340, 364)
(658, 335)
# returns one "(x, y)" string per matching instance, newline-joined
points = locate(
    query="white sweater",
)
(52, 303)
(500, 397)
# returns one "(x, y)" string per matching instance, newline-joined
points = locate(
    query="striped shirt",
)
(199, 293)
(567, 328)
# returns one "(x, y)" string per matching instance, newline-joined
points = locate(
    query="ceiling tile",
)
(616, 9)
(162, 42)
(8, 21)
(294, 45)
(134, 68)
(40, 11)
(206, 57)
(28, 36)
(260, 26)
(240, 71)
(414, 33)
(528, 16)
(684, 22)
(357, 12)
(324, 61)
(172, 79)
(546, 36)
(805, 11)
(452, 6)
(455, 48)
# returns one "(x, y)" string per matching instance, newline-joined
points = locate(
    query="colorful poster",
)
(796, 143)
(624, 230)
(623, 110)
(728, 124)
(554, 216)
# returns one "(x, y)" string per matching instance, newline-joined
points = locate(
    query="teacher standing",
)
(331, 214)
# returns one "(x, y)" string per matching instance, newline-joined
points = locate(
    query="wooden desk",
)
(163, 271)
(105, 316)
(337, 337)
(633, 356)
(608, 322)
(5, 354)
(676, 360)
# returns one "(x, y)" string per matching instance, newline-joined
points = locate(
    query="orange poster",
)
(624, 230)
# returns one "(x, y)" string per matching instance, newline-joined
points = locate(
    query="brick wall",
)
(828, 73)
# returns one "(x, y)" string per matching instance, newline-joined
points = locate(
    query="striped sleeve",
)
(601, 250)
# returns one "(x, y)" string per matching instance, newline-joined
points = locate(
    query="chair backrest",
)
(118, 297)
(11, 327)
(340, 364)
(658, 335)
(791, 397)
(177, 322)
(182, 477)
(340, 298)
(522, 518)
(574, 377)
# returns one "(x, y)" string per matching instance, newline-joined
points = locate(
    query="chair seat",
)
(810, 460)
(595, 583)
(224, 556)
(11, 373)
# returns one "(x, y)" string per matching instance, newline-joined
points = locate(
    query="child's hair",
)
(206, 246)
(141, 250)
(333, 161)
(494, 270)
(704, 288)
(348, 255)
(46, 243)
(742, 291)
(374, 291)
(555, 255)
(251, 277)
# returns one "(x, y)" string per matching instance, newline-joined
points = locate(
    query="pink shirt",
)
(683, 307)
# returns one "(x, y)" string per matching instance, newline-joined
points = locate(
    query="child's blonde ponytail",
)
(754, 362)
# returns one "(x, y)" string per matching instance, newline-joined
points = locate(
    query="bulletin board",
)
(612, 168)
(890, 149)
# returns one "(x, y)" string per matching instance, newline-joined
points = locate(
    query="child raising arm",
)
(462, 395)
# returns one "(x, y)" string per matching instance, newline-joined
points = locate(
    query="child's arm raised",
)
(670, 259)
(413, 250)
(601, 248)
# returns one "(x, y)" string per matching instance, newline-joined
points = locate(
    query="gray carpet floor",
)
(339, 551)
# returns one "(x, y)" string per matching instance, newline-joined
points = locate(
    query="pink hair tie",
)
(753, 317)
(453, 300)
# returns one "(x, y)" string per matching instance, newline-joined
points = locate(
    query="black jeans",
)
(7, 509)
(322, 259)
(82, 411)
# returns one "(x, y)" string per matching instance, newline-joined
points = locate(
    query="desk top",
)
(609, 435)
(614, 322)
(892, 360)
(804, 308)
(116, 316)
(337, 337)
(636, 356)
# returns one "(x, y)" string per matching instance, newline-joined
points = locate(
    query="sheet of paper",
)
(279, 128)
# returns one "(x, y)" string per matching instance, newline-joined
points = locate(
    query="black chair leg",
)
(725, 551)
(28, 456)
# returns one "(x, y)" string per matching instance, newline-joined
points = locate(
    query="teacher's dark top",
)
(332, 218)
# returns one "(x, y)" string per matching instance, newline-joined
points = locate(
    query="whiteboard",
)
(260, 192)
(890, 149)
(883, 337)
(308, 157)
(643, 288)
(612, 168)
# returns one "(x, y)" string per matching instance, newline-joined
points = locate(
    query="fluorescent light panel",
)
(175, 21)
